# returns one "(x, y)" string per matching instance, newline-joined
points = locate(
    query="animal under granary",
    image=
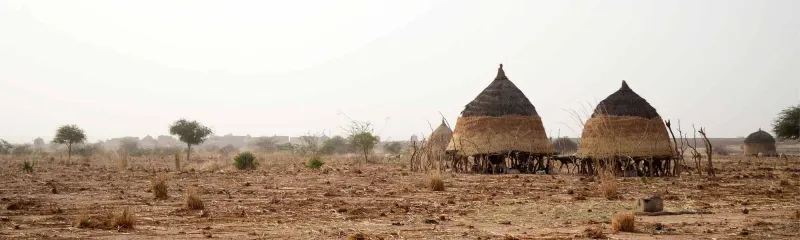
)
(501, 129)
(627, 135)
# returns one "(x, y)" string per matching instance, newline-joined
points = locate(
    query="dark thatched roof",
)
(500, 98)
(759, 137)
(625, 102)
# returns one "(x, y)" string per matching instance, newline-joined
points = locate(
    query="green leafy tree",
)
(334, 145)
(361, 137)
(787, 124)
(5, 147)
(69, 134)
(190, 132)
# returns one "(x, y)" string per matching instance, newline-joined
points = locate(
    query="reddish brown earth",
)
(284, 200)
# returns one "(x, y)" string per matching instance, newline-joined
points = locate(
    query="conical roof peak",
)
(501, 75)
(625, 102)
(500, 98)
(625, 86)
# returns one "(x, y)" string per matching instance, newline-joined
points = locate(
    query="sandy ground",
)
(284, 200)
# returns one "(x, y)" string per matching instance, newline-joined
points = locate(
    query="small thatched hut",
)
(499, 120)
(759, 142)
(625, 125)
(564, 145)
(439, 138)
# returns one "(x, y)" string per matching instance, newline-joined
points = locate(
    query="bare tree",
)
(709, 152)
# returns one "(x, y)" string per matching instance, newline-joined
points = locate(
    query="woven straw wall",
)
(766, 149)
(484, 135)
(607, 136)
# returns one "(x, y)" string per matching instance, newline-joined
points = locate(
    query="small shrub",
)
(160, 188)
(193, 200)
(435, 182)
(315, 162)
(623, 222)
(609, 188)
(124, 220)
(722, 151)
(82, 221)
(245, 161)
(27, 166)
(594, 233)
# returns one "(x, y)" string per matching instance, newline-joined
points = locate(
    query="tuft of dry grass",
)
(82, 221)
(123, 161)
(435, 182)
(177, 162)
(193, 200)
(594, 233)
(796, 214)
(609, 188)
(357, 236)
(124, 220)
(623, 222)
(160, 188)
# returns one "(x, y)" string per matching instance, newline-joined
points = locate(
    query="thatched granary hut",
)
(439, 138)
(759, 142)
(625, 125)
(499, 120)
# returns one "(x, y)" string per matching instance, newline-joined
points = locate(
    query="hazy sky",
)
(120, 68)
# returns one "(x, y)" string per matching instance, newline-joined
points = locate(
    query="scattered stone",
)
(247, 184)
(745, 211)
(430, 221)
(397, 224)
(505, 222)
(651, 204)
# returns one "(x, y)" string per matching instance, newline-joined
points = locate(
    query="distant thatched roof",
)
(759, 137)
(625, 102)
(500, 98)
(440, 137)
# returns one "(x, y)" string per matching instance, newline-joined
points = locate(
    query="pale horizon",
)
(263, 68)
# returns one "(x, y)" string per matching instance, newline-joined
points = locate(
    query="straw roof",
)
(759, 136)
(499, 119)
(440, 137)
(625, 102)
(625, 125)
(500, 98)
(759, 142)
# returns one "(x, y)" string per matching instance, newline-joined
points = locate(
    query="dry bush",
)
(594, 233)
(435, 182)
(609, 188)
(357, 236)
(123, 161)
(193, 200)
(124, 220)
(82, 221)
(160, 188)
(623, 222)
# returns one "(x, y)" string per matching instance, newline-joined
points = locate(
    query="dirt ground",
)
(284, 200)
